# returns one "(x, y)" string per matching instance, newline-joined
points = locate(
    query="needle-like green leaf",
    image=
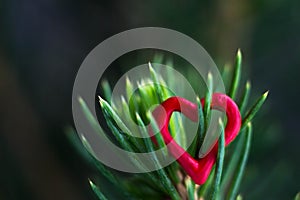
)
(128, 119)
(208, 98)
(201, 128)
(129, 88)
(233, 190)
(205, 188)
(160, 141)
(155, 78)
(161, 173)
(90, 158)
(190, 186)
(219, 164)
(170, 73)
(123, 138)
(77, 144)
(106, 89)
(245, 98)
(105, 106)
(236, 75)
(226, 75)
(232, 164)
(195, 146)
(97, 191)
(255, 108)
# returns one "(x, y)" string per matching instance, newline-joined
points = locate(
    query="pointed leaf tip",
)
(128, 82)
(221, 122)
(255, 108)
(265, 95)
(137, 116)
(150, 66)
(123, 99)
(239, 57)
(236, 75)
(239, 53)
(239, 197)
(209, 76)
(80, 100)
(249, 125)
(248, 84)
(101, 101)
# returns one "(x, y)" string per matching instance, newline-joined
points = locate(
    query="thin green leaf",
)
(87, 145)
(119, 135)
(206, 111)
(175, 123)
(208, 99)
(146, 139)
(76, 142)
(148, 144)
(226, 75)
(129, 88)
(232, 164)
(111, 114)
(161, 173)
(172, 171)
(126, 143)
(190, 186)
(90, 118)
(90, 158)
(105, 106)
(127, 118)
(170, 73)
(204, 189)
(195, 146)
(106, 173)
(174, 126)
(160, 141)
(237, 75)
(233, 190)
(219, 163)
(252, 112)
(178, 121)
(245, 98)
(97, 191)
(155, 78)
(94, 123)
(107, 90)
(201, 130)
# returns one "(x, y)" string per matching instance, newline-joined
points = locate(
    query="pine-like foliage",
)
(171, 182)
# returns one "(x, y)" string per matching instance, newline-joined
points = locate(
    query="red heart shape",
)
(198, 170)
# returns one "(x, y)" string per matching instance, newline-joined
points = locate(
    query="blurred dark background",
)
(43, 42)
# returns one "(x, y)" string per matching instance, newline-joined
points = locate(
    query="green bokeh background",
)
(43, 42)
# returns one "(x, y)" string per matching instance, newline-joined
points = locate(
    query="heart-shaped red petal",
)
(200, 169)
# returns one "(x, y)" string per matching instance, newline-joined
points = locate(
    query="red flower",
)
(198, 170)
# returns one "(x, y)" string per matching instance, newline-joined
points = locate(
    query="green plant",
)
(171, 182)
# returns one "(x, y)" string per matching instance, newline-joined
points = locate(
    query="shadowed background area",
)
(43, 42)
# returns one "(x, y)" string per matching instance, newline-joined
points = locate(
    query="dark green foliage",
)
(170, 181)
